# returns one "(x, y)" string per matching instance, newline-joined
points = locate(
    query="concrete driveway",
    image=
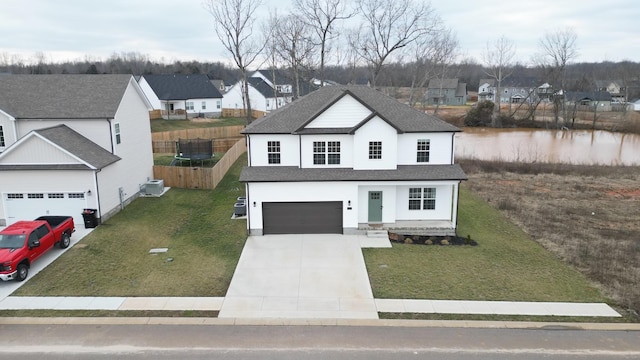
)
(302, 276)
(8, 287)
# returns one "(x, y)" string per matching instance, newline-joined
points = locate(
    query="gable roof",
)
(291, 118)
(443, 83)
(280, 76)
(62, 96)
(72, 142)
(262, 87)
(591, 96)
(182, 87)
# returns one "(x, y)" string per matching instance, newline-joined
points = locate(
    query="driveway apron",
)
(300, 276)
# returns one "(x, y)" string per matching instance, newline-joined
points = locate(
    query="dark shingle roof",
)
(262, 87)
(78, 145)
(289, 119)
(281, 77)
(443, 84)
(182, 87)
(62, 96)
(403, 173)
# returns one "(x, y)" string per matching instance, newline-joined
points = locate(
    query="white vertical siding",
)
(375, 129)
(96, 130)
(136, 165)
(345, 113)
(289, 149)
(346, 150)
(440, 148)
(233, 98)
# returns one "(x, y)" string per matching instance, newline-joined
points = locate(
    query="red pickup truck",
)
(23, 242)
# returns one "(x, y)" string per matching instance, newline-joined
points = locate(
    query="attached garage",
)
(28, 206)
(302, 217)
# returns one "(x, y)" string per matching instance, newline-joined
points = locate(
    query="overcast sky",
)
(168, 30)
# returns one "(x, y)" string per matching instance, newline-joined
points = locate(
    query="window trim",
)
(327, 152)
(273, 152)
(117, 133)
(422, 198)
(375, 150)
(2, 140)
(423, 150)
(189, 106)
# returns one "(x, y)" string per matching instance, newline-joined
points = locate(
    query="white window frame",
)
(116, 132)
(188, 105)
(423, 150)
(422, 198)
(204, 105)
(273, 152)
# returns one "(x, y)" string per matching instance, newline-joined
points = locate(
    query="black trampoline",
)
(193, 150)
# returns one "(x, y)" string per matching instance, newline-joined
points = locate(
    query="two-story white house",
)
(71, 142)
(346, 159)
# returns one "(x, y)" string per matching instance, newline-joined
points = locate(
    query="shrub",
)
(444, 242)
(479, 115)
(408, 240)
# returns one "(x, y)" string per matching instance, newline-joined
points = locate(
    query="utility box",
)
(154, 187)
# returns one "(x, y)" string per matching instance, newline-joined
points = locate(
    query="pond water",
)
(554, 146)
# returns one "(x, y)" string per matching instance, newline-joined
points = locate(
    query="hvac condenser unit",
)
(154, 187)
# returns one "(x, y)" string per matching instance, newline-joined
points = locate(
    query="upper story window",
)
(2, 144)
(375, 150)
(273, 152)
(189, 105)
(423, 150)
(204, 105)
(116, 131)
(326, 152)
(422, 198)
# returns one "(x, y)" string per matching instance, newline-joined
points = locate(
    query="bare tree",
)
(557, 50)
(497, 58)
(234, 21)
(389, 26)
(322, 16)
(446, 53)
(295, 47)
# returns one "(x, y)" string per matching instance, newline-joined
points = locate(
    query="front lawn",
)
(506, 265)
(204, 247)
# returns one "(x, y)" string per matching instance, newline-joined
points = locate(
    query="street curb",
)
(525, 325)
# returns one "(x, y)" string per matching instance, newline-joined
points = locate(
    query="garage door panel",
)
(302, 217)
(28, 206)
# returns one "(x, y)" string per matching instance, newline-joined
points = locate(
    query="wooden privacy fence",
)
(169, 146)
(240, 113)
(202, 133)
(198, 177)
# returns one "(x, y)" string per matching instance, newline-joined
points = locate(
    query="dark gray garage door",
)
(302, 217)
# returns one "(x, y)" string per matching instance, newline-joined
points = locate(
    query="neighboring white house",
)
(345, 159)
(72, 142)
(263, 97)
(182, 96)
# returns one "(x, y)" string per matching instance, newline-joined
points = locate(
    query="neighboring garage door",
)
(302, 217)
(28, 206)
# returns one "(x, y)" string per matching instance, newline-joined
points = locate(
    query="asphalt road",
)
(188, 342)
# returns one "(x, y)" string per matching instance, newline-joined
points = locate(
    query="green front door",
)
(375, 206)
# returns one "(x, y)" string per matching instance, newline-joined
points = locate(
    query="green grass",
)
(160, 125)
(204, 246)
(506, 265)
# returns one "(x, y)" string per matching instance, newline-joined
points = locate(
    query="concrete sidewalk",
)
(376, 305)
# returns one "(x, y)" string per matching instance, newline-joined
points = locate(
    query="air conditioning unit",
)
(153, 187)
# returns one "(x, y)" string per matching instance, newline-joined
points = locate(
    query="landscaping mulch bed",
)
(404, 238)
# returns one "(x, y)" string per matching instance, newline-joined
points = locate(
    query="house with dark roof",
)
(514, 90)
(616, 88)
(72, 142)
(264, 97)
(348, 159)
(446, 92)
(180, 96)
(589, 100)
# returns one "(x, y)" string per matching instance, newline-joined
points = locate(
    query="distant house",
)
(635, 105)
(72, 142)
(182, 96)
(589, 100)
(513, 90)
(616, 88)
(446, 92)
(263, 97)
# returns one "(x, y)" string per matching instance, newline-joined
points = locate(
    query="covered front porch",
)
(413, 227)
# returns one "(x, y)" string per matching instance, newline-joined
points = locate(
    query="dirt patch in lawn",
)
(586, 215)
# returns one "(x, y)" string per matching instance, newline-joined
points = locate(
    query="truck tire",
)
(65, 241)
(22, 272)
